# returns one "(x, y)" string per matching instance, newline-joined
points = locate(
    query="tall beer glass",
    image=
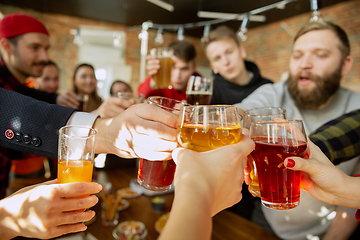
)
(259, 115)
(76, 154)
(159, 175)
(163, 76)
(199, 90)
(274, 142)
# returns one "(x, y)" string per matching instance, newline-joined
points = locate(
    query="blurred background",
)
(106, 33)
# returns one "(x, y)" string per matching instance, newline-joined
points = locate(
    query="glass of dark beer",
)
(199, 90)
(259, 115)
(274, 142)
(159, 175)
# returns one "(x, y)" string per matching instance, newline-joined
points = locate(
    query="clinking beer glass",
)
(159, 175)
(163, 76)
(205, 127)
(199, 90)
(76, 154)
(259, 115)
(274, 142)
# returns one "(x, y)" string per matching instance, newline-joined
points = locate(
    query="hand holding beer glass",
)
(259, 115)
(76, 154)
(163, 75)
(159, 175)
(274, 142)
(199, 90)
(202, 128)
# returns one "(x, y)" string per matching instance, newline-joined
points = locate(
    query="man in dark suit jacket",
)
(24, 44)
(140, 124)
(32, 126)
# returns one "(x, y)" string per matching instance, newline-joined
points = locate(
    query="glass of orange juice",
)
(76, 154)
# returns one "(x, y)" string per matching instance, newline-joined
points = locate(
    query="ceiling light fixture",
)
(315, 15)
(206, 32)
(77, 38)
(162, 4)
(159, 37)
(117, 40)
(243, 28)
(180, 34)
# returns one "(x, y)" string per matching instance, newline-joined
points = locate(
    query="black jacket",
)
(226, 92)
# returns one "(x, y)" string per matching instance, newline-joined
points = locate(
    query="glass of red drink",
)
(259, 115)
(199, 90)
(274, 142)
(159, 175)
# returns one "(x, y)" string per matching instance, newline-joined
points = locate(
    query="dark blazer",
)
(35, 124)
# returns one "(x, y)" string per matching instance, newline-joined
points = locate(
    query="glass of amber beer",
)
(205, 127)
(159, 175)
(259, 115)
(199, 90)
(163, 76)
(76, 154)
(274, 142)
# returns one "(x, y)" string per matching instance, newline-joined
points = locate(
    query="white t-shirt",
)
(311, 217)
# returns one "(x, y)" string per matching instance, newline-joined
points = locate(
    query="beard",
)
(26, 70)
(326, 87)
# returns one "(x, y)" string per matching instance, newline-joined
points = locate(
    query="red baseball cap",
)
(17, 24)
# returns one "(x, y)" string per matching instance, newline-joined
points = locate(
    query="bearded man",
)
(320, 58)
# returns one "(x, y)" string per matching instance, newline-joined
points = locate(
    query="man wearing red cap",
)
(24, 42)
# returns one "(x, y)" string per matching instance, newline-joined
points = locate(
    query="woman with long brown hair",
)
(84, 83)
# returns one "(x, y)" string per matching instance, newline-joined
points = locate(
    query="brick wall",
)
(269, 46)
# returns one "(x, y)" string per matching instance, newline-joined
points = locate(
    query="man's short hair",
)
(322, 25)
(51, 63)
(218, 33)
(119, 81)
(14, 40)
(183, 50)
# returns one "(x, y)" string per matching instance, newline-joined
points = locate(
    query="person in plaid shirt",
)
(339, 141)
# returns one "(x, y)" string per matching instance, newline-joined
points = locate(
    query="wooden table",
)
(226, 225)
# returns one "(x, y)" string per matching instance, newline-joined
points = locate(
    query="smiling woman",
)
(84, 81)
